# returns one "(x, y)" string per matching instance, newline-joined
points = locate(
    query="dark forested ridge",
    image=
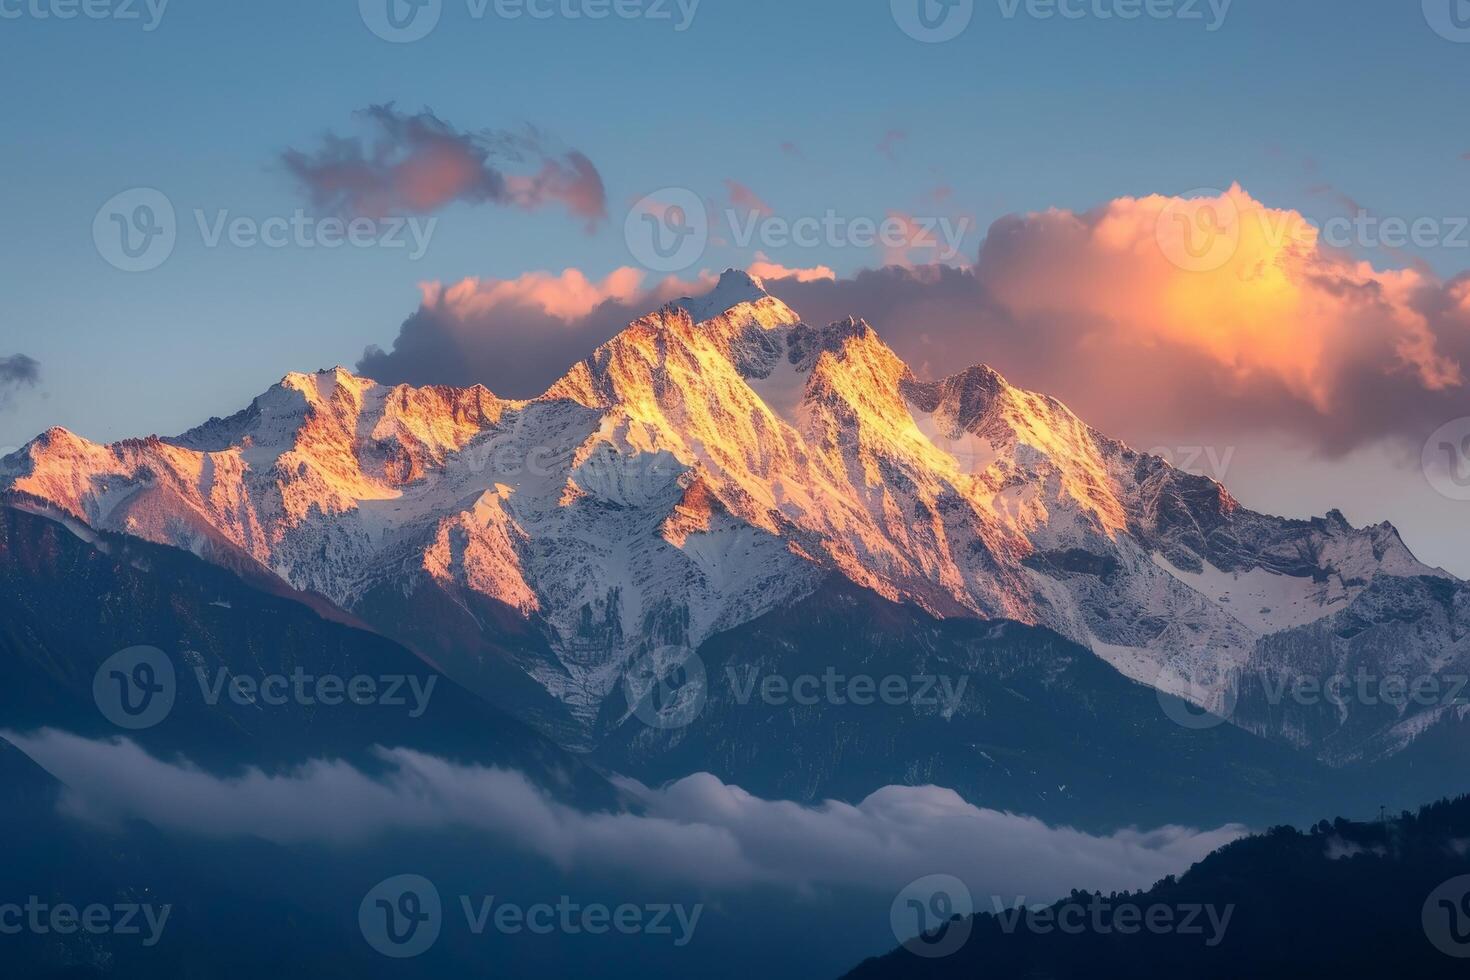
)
(1389, 898)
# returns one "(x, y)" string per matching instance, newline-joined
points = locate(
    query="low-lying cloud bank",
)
(698, 831)
(1153, 317)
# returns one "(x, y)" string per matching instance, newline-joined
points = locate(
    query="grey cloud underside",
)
(17, 371)
(418, 163)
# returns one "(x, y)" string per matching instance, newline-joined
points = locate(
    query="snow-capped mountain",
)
(719, 459)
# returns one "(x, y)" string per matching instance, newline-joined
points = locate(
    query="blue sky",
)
(1301, 102)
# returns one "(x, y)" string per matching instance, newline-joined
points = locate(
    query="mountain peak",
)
(734, 288)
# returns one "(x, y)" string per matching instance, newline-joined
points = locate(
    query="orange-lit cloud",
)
(1218, 313)
(566, 296)
(1156, 318)
(744, 198)
(1270, 305)
(764, 268)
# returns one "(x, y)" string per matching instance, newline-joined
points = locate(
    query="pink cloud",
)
(888, 145)
(764, 268)
(419, 163)
(1156, 318)
(922, 242)
(745, 198)
(1153, 331)
(567, 296)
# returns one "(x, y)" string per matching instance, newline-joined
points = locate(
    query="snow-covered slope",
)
(715, 460)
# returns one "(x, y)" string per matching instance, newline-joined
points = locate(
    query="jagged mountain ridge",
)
(715, 460)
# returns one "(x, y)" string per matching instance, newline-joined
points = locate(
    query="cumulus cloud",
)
(763, 268)
(697, 831)
(418, 163)
(516, 336)
(17, 371)
(1156, 318)
(1139, 327)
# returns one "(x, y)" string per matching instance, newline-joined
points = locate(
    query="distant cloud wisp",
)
(17, 371)
(418, 163)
